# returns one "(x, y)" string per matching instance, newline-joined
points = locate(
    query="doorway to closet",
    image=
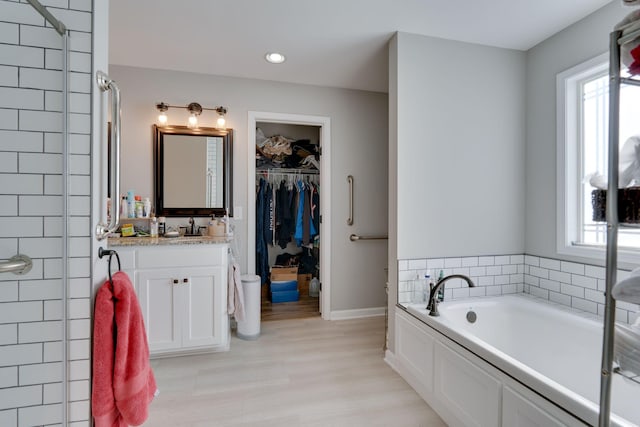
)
(289, 232)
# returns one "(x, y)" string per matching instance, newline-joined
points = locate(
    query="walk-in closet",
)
(288, 219)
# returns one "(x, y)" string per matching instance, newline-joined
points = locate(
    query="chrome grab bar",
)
(355, 237)
(106, 84)
(17, 264)
(350, 181)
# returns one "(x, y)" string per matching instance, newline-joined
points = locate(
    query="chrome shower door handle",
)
(106, 84)
(350, 181)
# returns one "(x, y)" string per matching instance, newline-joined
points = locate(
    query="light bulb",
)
(275, 58)
(221, 122)
(162, 118)
(193, 121)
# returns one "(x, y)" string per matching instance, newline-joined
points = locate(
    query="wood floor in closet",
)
(306, 307)
(302, 372)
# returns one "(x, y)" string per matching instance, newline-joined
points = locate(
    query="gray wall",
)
(460, 139)
(574, 45)
(358, 143)
(456, 151)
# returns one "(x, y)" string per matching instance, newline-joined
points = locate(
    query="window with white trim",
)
(583, 133)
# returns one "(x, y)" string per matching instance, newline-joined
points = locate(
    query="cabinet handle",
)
(175, 281)
(185, 280)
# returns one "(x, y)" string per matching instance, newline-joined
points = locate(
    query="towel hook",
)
(102, 252)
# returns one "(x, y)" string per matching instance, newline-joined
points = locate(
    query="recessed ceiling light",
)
(275, 57)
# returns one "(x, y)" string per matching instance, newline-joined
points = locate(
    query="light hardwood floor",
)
(300, 372)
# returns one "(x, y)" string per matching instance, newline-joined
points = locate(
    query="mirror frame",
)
(227, 165)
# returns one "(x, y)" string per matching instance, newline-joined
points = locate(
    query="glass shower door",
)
(45, 141)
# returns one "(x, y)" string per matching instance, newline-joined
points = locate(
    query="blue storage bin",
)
(285, 296)
(289, 285)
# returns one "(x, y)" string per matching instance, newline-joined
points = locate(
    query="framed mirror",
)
(193, 171)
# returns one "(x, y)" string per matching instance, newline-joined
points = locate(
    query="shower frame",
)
(61, 29)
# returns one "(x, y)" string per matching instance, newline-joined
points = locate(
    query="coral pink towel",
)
(123, 382)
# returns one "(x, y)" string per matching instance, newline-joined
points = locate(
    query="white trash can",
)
(249, 328)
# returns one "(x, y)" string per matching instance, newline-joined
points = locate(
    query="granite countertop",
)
(166, 241)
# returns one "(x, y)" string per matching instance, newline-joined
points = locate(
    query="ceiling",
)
(336, 43)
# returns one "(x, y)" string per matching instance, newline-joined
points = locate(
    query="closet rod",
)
(282, 171)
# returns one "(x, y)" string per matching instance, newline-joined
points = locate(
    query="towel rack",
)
(104, 252)
(106, 84)
(355, 237)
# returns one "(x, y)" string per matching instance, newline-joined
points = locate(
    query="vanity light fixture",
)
(195, 110)
(162, 117)
(221, 122)
(275, 58)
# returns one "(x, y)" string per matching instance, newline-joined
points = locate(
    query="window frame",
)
(568, 127)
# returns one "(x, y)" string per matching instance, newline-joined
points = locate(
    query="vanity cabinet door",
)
(183, 308)
(203, 307)
(159, 293)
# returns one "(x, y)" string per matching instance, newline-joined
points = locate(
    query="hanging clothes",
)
(304, 226)
(262, 253)
(315, 208)
(286, 210)
(285, 214)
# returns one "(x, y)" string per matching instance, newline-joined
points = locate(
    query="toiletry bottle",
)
(139, 207)
(153, 227)
(432, 284)
(441, 290)
(416, 292)
(162, 226)
(425, 287)
(211, 226)
(146, 207)
(123, 207)
(131, 204)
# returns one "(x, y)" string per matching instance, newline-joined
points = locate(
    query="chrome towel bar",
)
(17, 264)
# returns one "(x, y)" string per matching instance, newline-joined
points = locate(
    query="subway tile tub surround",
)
(580, 286)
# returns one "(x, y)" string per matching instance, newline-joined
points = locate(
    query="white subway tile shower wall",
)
(576, 285)
(31, 213)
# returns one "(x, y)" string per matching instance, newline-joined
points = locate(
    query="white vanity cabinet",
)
(182, 291)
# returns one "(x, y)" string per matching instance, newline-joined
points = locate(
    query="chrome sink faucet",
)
(192, 226)
(432, 306)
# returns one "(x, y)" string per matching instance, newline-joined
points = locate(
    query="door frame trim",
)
(325, 201)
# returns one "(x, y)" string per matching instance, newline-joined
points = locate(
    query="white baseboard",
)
(391, 360)
(357, 313)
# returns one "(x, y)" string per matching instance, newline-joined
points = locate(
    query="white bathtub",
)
(549, 348)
